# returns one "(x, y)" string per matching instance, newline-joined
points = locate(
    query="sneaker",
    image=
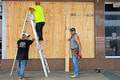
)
(75, 76)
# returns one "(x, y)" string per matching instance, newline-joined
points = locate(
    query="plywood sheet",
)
(59, 17)
(81, 16)
(54, 30)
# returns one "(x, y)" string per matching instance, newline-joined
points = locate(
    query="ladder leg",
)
(25, 21)
(38, 46)
(46, 63)
(44, 57)
(43, 64)
(13, 67)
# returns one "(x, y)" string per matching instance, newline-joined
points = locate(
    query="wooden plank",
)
(67, 54)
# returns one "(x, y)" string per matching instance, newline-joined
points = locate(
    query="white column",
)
(4, 30)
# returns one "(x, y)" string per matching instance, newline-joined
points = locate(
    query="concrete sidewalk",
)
(61, 75)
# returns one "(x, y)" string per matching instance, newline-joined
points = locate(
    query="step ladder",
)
(29, 17)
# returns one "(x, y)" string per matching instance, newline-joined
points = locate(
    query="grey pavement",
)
(61, 75)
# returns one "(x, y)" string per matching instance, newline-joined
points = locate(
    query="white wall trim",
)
(109, 2)
(112, 57)
(4, 30)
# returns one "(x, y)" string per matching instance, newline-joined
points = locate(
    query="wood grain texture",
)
(55, 33)
(54, 29)
(81, 16)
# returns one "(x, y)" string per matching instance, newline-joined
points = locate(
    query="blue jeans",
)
(21, 68)
(75, 62)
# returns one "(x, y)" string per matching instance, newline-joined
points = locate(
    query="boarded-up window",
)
(58, 19)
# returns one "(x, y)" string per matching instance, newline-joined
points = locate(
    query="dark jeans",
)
(39, 29)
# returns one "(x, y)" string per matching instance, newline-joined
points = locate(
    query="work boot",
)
(40, 41)
(22, 79)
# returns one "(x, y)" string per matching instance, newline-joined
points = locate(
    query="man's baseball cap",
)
(72, 29)
(25, 35)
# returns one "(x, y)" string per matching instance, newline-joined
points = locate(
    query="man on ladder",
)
(39, 19)
(22, 54)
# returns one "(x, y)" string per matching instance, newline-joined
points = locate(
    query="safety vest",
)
(38, 14)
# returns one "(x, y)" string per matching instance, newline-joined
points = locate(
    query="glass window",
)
(112, 30)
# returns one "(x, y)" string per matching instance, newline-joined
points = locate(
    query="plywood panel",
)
(81, 16)
(58, 19)
(54, 30)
